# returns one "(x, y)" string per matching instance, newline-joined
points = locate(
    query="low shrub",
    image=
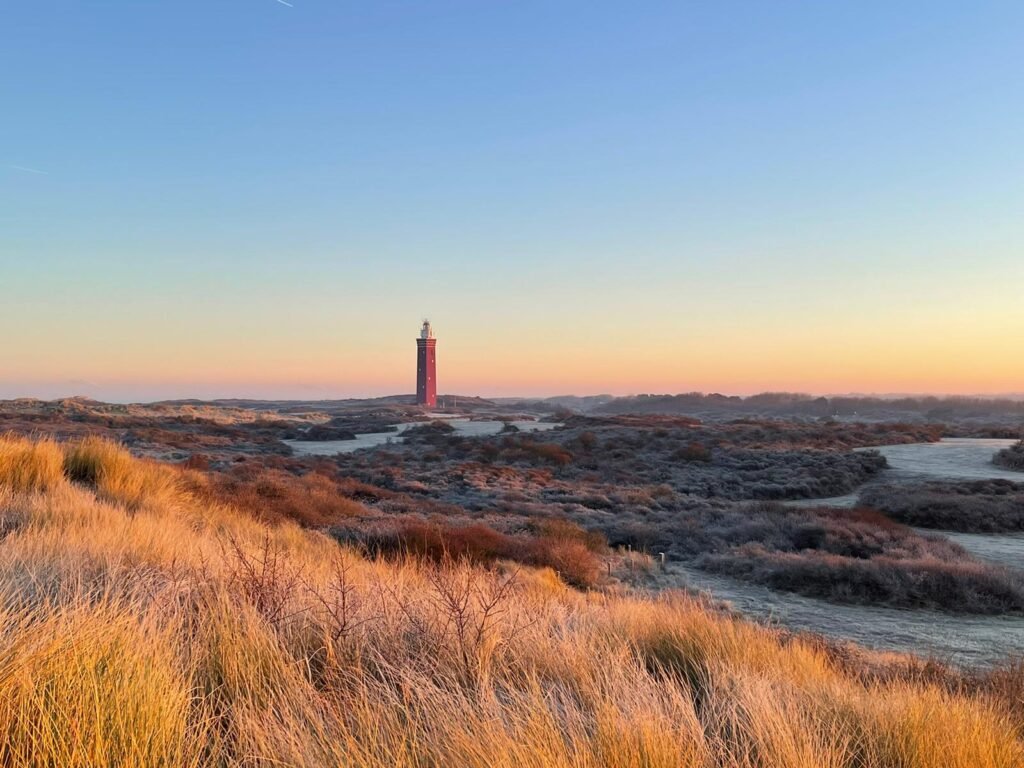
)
(197, 461)
(429, 430)
(475, 542)
(977, 506)
(312, 499)
(856, 555)
(560, 545)
(551, 453)
(1012, 457)
(968, 587)
(857, 533)
(693, 452)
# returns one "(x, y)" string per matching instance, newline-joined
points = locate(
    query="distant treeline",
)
(788, 403)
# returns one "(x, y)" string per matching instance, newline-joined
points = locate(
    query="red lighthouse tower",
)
(426, 367)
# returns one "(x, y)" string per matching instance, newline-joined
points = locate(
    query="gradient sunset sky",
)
(253, 198)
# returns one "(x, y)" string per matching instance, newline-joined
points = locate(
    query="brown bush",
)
(561, 545)
(693, 452)
(560, 530)
(271, 494)
(549, 452)
(476, 542)
(572, 560)
(1005, 684)
(197, 461)
(979, 506)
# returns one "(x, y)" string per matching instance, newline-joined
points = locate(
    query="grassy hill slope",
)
(140, 626)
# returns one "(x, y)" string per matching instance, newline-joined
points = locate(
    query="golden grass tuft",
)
(28, 466)
(141, 626)
(94, 686)
(118, 476)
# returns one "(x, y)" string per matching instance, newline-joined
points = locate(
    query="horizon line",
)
(1012, 396)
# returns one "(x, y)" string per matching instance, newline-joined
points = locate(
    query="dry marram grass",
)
(141, 627)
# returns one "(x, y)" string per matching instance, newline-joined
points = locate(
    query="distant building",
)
(426, 367)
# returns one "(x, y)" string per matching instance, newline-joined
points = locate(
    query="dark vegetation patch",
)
(738, 462)
(981, 417)
(322, 432)
(669, 485)
(904, 582)
(429, 431)
(976, 506)
(853, 556)
(1012, 457)
(771, 433)
(685, 489)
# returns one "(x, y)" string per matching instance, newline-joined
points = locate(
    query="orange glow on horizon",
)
(966, 347)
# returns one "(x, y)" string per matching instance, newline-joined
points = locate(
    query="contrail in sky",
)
(35, 170)
(283, 2)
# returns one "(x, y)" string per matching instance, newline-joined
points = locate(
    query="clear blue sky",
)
(215, 198)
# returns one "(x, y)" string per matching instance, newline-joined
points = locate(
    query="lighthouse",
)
(426, 367)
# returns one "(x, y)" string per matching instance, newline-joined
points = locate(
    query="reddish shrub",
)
(272, 494)
(549, 452)
(693, 452)
(561, 545)
(588, 441)
(197, 461)
(867, 516)
(573, 560)
(559, 530)
(476, 542)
